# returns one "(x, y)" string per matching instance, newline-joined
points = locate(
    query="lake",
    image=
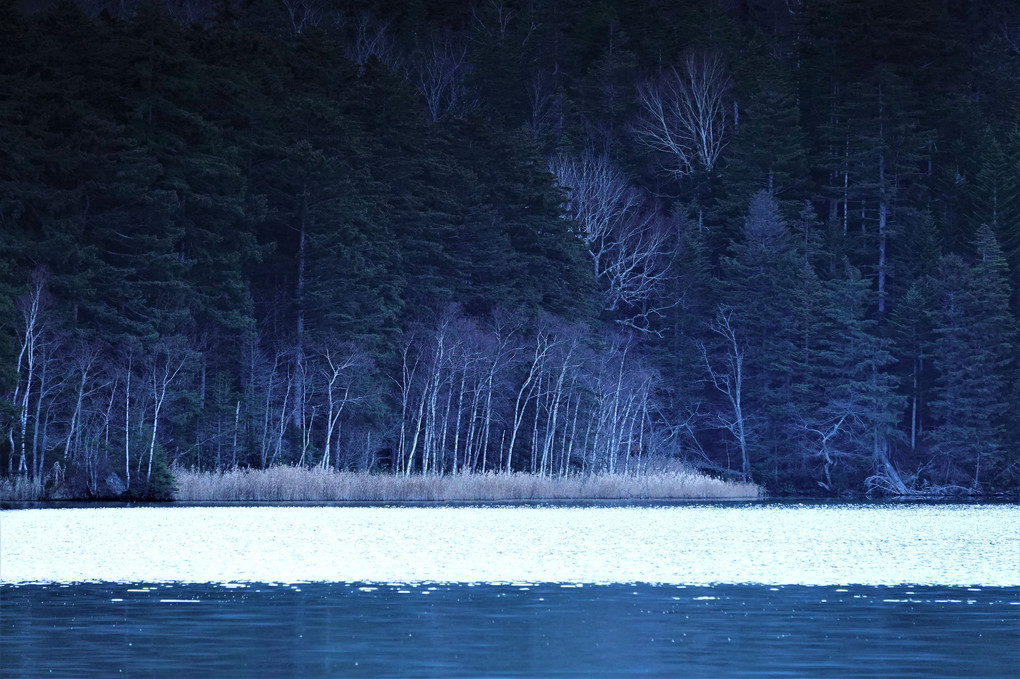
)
(685, 590)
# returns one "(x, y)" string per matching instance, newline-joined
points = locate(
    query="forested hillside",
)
(774, 239)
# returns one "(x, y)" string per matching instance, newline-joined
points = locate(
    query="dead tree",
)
(439, 70)
(828, 432)
(369, 40)
(684, 114)
(729, 380)
(626, 237)
(304, 14)
(339, 378)
(166, 366)
(30, 308)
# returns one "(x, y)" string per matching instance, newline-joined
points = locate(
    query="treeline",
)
(775, 240)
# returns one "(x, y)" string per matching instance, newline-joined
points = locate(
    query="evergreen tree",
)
(767, 151)
(975, 337)
(858, 409)
(911, 331)
(255, 193)
(764, 279)
(995, 201)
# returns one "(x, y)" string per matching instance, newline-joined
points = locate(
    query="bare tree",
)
(411, 357)
(434, 369)
(83, 364)
(729, 381)
(499, 358)
(304, 14)
(438, 70)
(305, 407)
(167, 364)
(616, 396)
(564, 365)
(547, 105)
(339, 374)
(51, 379)
(491, 22)
(128, 371)
(527, 389)
(639, 264)
(599, 197)
(626, 237)
(614, 405)
(369, 39)
(30, 308)
(684, 113)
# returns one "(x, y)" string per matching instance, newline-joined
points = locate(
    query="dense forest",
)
(778, 240)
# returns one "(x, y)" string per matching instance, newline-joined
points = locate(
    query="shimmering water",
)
(693, 591)
(340, 630)
(685, 545)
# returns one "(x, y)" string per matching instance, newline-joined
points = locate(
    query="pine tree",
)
(858, 409)
(910, 323)
(767, 151)
(764, 281)
(973, 354)
(995, 201)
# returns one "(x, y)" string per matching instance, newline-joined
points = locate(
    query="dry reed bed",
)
(19, 489)
(286, 484)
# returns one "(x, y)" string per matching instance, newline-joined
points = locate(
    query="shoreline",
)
(315, 486)
(535, 502)
(292, 484)
(11, 505)
(285, 486)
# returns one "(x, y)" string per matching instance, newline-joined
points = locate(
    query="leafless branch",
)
(626, 238)
(1012, 37)
(729, 381)
(546, 104)
(439, 71)
(369, 40)
(684, 114)
(304, 14)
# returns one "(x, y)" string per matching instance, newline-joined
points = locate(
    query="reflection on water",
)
(327, 630)
(684, 545)
(743, 591)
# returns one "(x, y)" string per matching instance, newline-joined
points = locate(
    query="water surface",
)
(686, 545)
(694, 591)
(339, 630)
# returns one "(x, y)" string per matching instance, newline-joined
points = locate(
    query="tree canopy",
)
(773, 240)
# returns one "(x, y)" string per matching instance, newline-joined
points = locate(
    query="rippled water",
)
(694, 591)
(338, 630)
(687, 545)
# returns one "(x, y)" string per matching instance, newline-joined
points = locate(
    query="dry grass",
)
(19, 489)
(286, 484)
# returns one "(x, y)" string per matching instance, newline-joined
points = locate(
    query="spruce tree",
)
(763, 282)
(858, 409)
(994, 199)
(973, 354)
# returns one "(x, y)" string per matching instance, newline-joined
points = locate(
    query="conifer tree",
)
(995, 201)
(767, 151)
(973, 354)
(764, 279)
(858, 409)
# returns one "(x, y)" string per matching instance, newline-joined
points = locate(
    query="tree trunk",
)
(127, 427)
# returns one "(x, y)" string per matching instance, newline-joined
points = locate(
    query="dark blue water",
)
(340, 630)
